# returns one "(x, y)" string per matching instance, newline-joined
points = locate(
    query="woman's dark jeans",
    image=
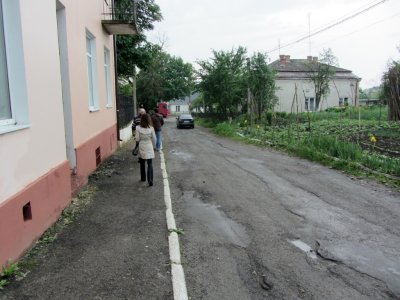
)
(149, 170)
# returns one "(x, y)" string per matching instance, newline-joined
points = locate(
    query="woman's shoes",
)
(150, 183)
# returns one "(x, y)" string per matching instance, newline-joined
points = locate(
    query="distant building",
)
(344, 87)
(178, 106)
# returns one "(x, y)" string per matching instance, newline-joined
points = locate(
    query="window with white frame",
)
(107, 74)
(5, 102)
(177, 108)
(92, 71)
(309, 104)
(13, 93)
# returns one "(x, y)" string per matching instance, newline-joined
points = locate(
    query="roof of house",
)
(301, 68)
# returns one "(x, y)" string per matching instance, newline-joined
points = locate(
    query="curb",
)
(178, 275)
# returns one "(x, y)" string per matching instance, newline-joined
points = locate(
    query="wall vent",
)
(98, 156)
(27, 212)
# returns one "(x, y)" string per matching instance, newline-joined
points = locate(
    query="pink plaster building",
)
(57, 109)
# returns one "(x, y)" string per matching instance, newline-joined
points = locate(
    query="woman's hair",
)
(145, 121)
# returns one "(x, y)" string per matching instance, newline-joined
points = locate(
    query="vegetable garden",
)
(356, 139)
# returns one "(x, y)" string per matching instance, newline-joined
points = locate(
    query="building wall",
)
(31, 152)
(82, 16)
(34, 173)
(182, 108)
(93, 131)
(339, 88)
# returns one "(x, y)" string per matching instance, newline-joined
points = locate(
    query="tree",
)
(179, 78)
(261, 83)
(163, 78)
(363, 94)
(222, 80)
(391, 90)
(322, 73)
(133, 49)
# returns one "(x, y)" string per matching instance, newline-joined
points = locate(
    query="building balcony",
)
(119, 18)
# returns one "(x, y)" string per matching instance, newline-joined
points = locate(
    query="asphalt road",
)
(260, 224)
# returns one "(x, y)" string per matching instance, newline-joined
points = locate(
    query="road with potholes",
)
(259, 224)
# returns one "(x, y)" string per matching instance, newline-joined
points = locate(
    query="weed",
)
(177, 230)
(3, 283)
(9, 272)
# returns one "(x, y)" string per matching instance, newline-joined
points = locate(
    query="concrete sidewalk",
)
(116, 249)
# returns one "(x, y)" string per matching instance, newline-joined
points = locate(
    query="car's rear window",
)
(186, 117)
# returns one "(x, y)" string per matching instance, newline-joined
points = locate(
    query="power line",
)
(362, 28)
(327, 27)
(359, 29)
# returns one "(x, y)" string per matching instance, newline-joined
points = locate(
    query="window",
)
(309, 104)
(107, 74)
(343, 101)
(92, 71)
(5, 103)
(177, 108)
(13, 93)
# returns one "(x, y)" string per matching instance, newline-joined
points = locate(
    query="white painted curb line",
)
(178, 282)
(178, 275)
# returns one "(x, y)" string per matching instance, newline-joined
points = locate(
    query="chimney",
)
(309, 58)
(315, 59)
(282, 59)
(287, 58)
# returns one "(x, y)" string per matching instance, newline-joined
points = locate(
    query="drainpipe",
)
(116, 86)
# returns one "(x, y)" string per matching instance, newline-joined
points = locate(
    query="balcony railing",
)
(119, 18)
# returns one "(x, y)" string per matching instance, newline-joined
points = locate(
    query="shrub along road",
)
(261, 224)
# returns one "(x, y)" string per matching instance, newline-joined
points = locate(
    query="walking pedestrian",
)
(146, 137)
(136, 119)
(158, 122)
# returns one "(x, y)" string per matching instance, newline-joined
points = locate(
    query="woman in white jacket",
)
(146, 137)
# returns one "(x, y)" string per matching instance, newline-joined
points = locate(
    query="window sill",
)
(93, 109)
(10, 128)
(109, 106)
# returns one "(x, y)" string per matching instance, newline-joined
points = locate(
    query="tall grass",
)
(334, 147)
(383, 164)
(224, 129)
(371, 113)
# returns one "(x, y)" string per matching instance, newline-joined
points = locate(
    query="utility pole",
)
(309, 34)
(134, 91)
(248, 88)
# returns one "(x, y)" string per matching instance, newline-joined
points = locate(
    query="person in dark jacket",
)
(158, 122)
(136, 120)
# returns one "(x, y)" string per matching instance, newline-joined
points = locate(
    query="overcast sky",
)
(363, 44)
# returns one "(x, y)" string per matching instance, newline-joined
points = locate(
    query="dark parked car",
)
(185, 120)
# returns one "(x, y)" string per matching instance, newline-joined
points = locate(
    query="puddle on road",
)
(215, 220)
(304, 247)
(184, 156)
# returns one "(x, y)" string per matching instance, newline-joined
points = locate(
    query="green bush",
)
(125, 89)
(224, 129)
